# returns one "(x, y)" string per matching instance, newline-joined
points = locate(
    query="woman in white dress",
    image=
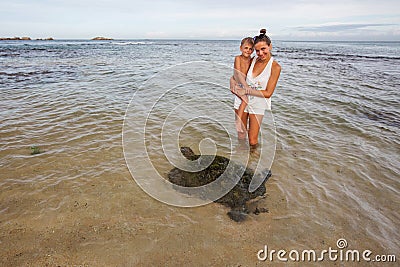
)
(262, 78)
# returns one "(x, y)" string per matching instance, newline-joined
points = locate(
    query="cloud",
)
(340, 27)
(224, 19)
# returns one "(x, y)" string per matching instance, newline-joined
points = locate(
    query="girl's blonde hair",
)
(247, 40)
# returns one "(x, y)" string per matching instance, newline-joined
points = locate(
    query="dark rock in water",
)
(260, 210)
(238, 214)
(236, 198)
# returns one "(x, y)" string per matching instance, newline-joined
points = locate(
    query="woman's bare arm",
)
(273, 80)
(232, 85)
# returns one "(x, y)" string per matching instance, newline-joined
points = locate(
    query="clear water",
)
(335, 173)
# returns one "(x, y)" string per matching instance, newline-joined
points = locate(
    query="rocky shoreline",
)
(45, 39)
(24, 39)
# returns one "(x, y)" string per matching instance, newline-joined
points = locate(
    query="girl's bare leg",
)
(239, 124)
(243, 117)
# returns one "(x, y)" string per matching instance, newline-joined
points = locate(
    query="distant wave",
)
(330, 54)
(133, 43)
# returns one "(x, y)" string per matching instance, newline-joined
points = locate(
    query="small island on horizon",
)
(101, 38)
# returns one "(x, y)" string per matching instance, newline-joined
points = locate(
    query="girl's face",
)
(246, 49)
(263, 50)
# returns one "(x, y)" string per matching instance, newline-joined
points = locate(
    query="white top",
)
(260, 83)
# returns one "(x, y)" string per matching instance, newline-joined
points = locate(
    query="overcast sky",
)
(197, 19)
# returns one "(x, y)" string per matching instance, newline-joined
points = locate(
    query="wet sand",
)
(109, 221)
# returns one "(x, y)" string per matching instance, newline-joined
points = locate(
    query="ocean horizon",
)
(193, 39)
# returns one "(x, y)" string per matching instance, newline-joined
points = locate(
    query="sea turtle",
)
(236, 198)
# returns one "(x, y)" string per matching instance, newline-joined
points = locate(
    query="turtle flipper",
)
(188, 153)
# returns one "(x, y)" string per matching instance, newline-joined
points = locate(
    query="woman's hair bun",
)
(262, 37)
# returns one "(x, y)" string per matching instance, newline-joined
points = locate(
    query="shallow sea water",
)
(335, 171)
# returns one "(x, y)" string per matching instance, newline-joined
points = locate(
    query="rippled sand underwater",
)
(335, 172)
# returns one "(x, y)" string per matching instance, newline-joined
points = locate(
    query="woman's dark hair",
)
(262, 37)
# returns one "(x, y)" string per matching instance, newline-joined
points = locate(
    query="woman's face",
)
(263, 50)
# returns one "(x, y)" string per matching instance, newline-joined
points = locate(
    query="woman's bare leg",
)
(254, 128)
